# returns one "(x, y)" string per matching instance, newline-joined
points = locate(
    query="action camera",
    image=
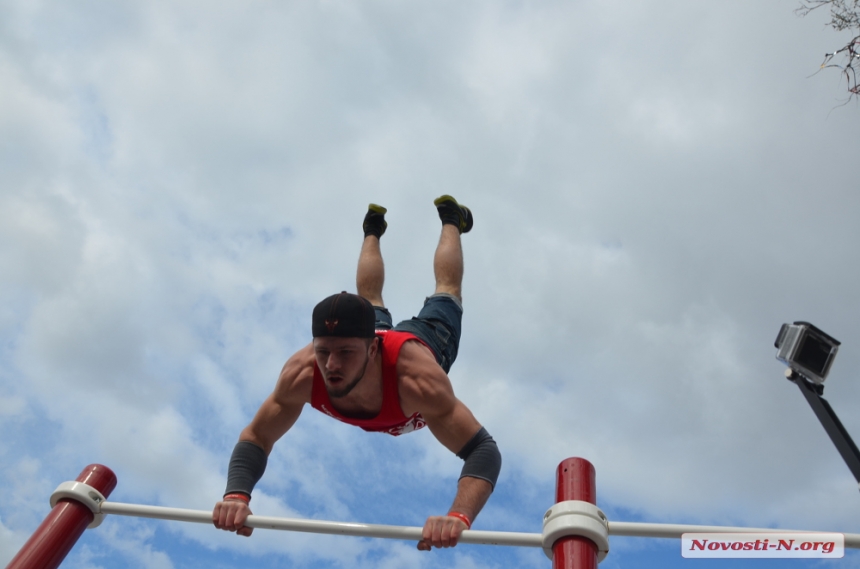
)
(806, 350)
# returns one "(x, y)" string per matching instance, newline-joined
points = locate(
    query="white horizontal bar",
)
(633, 529)
(319, 526)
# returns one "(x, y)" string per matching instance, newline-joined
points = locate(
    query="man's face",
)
(342, 362)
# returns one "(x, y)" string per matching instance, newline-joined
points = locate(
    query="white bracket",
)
(83, 493)
(575, 517)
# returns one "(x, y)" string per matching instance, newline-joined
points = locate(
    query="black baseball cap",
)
(344, 315)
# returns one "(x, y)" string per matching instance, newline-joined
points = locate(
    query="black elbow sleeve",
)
(482, 456)
(247, 466)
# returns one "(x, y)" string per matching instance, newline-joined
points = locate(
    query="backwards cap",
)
(344, 315)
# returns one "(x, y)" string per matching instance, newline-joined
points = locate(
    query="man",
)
(361, 371)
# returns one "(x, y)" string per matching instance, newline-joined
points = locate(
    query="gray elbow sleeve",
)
(482, 456)
(247, 466)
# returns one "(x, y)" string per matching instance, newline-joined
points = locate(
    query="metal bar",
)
(318, 526)
(636, 529)
(574, 480)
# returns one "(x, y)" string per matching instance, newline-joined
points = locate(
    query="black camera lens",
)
(813, 354)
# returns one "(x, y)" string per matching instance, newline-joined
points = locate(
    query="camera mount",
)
(809, 353)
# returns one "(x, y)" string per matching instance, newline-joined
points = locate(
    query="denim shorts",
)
(438, 324)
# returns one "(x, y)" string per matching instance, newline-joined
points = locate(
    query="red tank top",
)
(390, 419)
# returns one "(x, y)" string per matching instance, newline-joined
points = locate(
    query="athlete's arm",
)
(276, 416)
(426, 388)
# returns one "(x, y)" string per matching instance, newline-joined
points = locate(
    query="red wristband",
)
(242, 497)
(462, 517)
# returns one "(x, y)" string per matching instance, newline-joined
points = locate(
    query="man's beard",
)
(346, 389)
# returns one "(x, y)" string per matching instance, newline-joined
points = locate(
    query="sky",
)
(657, 186)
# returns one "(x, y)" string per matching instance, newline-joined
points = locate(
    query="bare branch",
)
(844, 15)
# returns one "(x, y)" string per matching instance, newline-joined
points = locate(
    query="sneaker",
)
(452, 213)
(374, 221)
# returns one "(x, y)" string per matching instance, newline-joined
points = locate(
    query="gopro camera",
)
(806, 350)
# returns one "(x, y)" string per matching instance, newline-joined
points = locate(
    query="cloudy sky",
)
(657, 187)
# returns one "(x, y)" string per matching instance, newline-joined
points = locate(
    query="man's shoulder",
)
(303, 358)
(422, 383)
(297, 375)
(415, 353)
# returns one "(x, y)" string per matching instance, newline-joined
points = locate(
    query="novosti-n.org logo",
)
(816, 545)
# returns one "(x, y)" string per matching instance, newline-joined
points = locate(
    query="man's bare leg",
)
(448, 262)
(370, 275)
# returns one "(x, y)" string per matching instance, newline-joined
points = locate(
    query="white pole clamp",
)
(575, 517)
(83, 493)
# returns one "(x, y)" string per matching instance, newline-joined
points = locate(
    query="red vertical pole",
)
(64, 525)
(575, 481)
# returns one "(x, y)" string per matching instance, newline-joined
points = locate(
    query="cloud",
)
(10, 543)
